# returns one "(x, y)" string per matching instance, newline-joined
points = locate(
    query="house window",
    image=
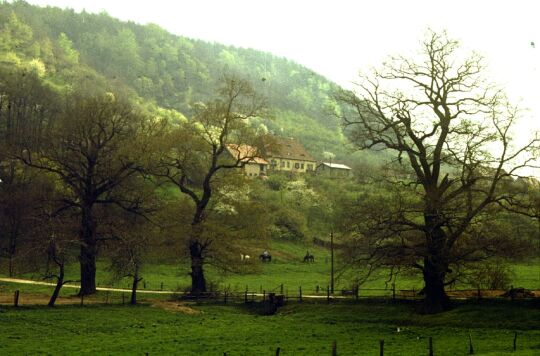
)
(302, 166)
(297, 165)
(288, 164)
(274, 163)
(309, 167)
(282, 164)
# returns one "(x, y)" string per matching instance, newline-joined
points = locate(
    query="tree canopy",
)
(452, 134)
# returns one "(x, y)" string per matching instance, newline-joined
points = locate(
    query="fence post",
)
(393, 291)
(123, 298)
(357, 292)
(161, 285)
(300, 291)
(107, 297)
(225, 298)
(471, 348)
(281, 288)
(381, 347)
(478, 293)
(334, 348)
(277, 351)
(82, 299)
(16, 298)
(144, 284)
(515, 340)
(264, 295)
(245, 297)
(430, 346)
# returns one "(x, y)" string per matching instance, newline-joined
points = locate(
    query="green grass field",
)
(240, 329)
(297, 328)
(286, 268)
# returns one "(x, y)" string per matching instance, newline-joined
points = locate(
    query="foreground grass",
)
(298, 329)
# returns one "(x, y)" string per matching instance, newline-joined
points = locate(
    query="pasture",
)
(158, 327)
(287, 268)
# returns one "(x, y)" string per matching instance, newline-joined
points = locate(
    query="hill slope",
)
(95, 50)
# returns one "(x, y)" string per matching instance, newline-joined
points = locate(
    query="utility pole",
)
(332, 262)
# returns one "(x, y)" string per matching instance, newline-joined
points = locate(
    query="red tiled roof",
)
(288, 148)
(245, 153)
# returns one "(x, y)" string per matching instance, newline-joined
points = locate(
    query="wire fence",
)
(278, 295)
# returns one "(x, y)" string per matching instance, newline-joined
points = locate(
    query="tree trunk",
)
(134, 287)
(11, 266)
(12, 249)
(435, 298)
(59, 284)
(198, 282)
(435, 268)
(88, 253)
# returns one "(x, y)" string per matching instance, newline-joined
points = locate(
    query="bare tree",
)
(197, 154)
(129, 248)
(453, 131)
(58, 253)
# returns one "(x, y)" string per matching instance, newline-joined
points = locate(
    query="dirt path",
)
(464, 294)
(76, 286)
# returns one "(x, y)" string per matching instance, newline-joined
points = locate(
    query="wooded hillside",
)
(69, 51)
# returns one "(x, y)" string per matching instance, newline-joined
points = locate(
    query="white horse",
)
(244, 257)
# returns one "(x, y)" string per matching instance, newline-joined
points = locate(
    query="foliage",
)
(174, 72)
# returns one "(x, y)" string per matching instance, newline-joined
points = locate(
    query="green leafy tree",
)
(96, 148)
(196, 156)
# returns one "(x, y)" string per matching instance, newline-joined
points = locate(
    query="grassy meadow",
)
(162, 325)
(159, 328)
(286, 268)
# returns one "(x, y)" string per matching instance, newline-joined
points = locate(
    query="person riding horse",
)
(309, 257)
(265, 257)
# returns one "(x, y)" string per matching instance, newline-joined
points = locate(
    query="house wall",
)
(333, 172)
(252, 169)
(291, 165)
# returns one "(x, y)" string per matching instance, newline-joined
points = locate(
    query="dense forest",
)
(68, 51)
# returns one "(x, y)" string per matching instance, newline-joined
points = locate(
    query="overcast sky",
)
(337, 38)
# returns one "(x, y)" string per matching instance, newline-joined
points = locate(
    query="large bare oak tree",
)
(453, 131)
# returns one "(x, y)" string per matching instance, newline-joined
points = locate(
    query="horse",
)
(244, 257)
(265, 258)
(309, 258)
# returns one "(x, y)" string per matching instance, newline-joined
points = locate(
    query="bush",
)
(492, 276)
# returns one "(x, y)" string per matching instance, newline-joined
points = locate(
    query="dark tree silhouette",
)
(93, 150)
(453, 131)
